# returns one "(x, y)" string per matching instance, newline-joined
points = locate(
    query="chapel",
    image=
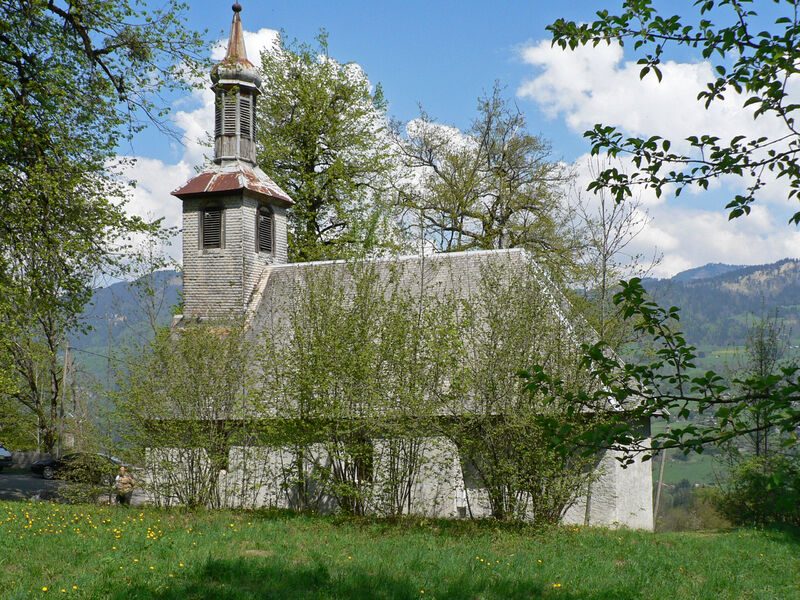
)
(235, 265)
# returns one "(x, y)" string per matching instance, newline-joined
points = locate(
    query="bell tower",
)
(234, 215)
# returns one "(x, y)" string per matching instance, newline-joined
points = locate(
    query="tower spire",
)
(236, 48)
(237, 85)
(234, 215)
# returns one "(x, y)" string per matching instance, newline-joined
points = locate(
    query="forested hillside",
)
(716, 310)
(123, 315)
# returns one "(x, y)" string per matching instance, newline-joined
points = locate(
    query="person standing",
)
(124, 484)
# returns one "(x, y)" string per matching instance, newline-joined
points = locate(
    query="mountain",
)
(706, 271)
(122, 315)
(717, 309)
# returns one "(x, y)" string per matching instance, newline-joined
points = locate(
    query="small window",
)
(212, 228)
(265, 230)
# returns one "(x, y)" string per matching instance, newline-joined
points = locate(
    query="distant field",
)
(108, 552)
(698, 468)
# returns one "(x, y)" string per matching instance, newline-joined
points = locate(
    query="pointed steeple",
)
(237, 85)
(236, 48)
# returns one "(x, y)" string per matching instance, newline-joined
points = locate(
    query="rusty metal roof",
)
(230, 178)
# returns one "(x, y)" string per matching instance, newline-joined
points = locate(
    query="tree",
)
(75, 80)
(322, 139)
(764, 354)
(355, 365)
(758, 68)
(755, 66)
(178, 405)
(500, 430)
(377, 381)
(669, 385)
(762, 483)
(492, 187)
(607, 228)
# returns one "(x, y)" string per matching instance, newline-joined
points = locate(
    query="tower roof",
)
(236, 48)
(236, 68)
(230, 178)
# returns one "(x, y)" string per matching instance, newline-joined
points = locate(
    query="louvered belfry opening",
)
(229, 113)
(265, 228)
(212, 228)
(218, 101)
(246, 115)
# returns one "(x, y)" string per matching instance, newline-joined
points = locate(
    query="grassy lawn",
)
(109, 552)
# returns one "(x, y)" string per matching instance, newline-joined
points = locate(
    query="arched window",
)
(265, 230)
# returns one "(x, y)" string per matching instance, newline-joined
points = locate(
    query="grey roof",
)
(458, 273)
(455, 272)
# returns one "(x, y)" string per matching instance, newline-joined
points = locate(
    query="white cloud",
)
(597, 85)
(156, 179)
(691, 235)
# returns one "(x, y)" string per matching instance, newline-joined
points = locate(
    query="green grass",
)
(697, 468)
(111, 552)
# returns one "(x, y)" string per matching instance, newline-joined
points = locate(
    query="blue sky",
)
(445, 54)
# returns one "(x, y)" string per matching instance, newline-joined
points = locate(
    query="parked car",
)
(79, 466)
(5, 457)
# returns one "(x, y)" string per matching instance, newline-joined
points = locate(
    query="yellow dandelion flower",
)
(44, 588)
(556, 585)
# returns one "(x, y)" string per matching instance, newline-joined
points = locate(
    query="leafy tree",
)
(758, 67)
(499, 429)
(765, 351)
(322, 139)
(178, 405)
(762, 490)
(607, 229)
(755, 65)
(670, 385)
(492, 187)
(378, 380)
(357, 363)
(76, 79)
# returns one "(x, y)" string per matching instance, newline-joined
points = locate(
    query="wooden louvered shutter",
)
(265, 230)
(218, 114)
(245, 115)
(212, 228)
(255, 123)
(229, 104)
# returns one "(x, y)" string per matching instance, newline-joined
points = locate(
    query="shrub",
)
(762, 491)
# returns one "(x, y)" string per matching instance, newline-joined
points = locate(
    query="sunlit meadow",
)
(87, 551)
